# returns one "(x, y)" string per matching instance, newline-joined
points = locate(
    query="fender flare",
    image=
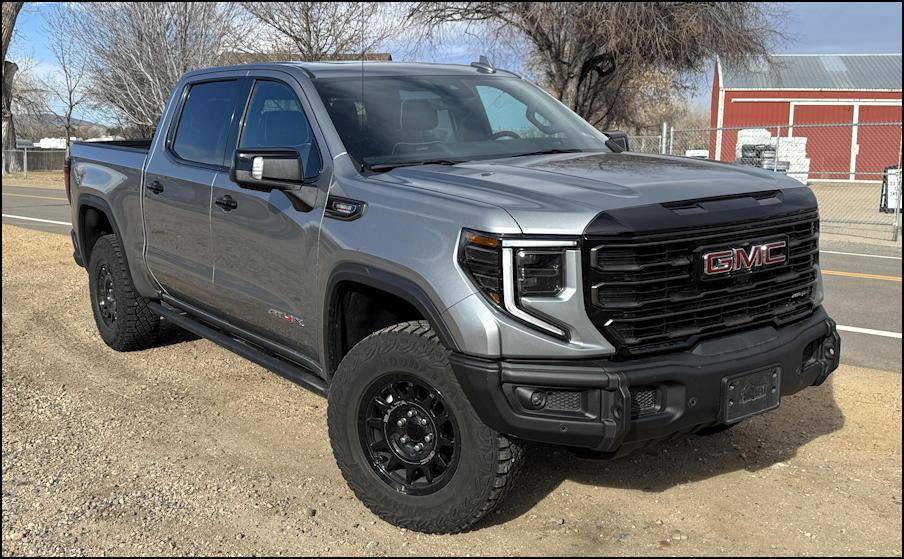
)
(391, 283)
(97, 203)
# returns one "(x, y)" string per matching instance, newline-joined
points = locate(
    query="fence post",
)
(25, 163)
(897, 224)
(662, 138)
(671, 140)
(778, 139)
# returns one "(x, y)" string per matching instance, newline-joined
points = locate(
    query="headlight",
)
(507, 269)
(539, 273)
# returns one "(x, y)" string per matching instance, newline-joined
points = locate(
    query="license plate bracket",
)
(747, 394)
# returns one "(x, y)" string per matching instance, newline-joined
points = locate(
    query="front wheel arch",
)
(381, 281)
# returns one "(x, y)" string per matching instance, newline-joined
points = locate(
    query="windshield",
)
(449, 119)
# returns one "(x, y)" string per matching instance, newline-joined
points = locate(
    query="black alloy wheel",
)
(409, 434)
(106, 296)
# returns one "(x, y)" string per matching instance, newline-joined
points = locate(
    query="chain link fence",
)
(33, 159)
(854, 169)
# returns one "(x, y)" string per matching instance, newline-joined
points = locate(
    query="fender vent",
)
(564, 401)
(644, 401)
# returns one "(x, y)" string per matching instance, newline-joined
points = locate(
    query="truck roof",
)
(354, 68)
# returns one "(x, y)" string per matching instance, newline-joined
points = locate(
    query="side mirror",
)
(618, 141)
(281, 169)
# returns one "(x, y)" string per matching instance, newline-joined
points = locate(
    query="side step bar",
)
(282, 367)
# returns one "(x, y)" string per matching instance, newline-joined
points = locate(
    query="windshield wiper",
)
(548, 152)
(392, 165)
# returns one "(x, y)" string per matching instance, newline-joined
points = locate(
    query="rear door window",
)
(204, 124)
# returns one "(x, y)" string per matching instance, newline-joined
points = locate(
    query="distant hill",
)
(53, 121)
(48, 125)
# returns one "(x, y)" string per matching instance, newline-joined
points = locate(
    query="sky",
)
(811, 27)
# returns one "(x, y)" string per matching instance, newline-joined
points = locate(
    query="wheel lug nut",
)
(401, 422)
(423, 421)
(403, 439)
(412, 413)
(418, 447)
(428, 438)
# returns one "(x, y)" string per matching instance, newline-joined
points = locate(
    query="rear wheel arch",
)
(95, 219)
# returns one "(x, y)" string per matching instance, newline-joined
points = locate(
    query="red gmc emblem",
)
(737, 259)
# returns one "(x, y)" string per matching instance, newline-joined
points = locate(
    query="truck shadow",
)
(754, 445)
(170, 334)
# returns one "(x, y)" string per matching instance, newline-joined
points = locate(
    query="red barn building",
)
(800, 90)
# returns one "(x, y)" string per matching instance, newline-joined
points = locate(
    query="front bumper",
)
(611, 406)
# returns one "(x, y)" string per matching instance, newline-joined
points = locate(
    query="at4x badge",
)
(291, 319)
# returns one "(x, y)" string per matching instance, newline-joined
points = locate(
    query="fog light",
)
(531, 398)
(537, 399)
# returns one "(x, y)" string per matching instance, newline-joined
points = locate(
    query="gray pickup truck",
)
(459, 263)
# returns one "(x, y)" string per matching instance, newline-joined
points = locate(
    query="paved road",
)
(48, 204)
(862, 281)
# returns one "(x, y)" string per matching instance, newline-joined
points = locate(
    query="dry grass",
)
(39, 179)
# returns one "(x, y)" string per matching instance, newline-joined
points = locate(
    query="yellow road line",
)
(862, 276)
(35, 196)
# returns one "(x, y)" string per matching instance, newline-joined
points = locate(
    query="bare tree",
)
(136, 51)
(604, 59)
(10, 13)
(29, 100)
(67, 90)
(326, 30)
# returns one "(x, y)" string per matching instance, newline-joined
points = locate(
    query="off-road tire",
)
(135, 326)
(488, 461)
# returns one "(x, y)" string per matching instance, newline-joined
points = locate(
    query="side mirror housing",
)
(280, 169)
(618, 141)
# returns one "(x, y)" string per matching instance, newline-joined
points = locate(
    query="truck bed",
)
(110, 160)
(143, 144)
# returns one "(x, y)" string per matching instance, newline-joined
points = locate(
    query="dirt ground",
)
(189, 449)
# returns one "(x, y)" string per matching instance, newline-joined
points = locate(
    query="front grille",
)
(645, 292)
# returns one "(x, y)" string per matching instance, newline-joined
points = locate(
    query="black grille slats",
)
(645, 293)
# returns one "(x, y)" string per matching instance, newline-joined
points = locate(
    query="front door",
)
(178, 186)
(265, 241)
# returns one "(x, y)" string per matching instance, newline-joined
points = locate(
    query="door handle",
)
(227, 202)
(156, 187)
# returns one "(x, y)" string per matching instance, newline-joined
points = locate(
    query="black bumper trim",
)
(689, 385)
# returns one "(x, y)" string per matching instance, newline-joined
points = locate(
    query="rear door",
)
(179, 183)
(265, 241)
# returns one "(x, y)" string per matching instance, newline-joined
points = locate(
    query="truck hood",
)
(561, 194)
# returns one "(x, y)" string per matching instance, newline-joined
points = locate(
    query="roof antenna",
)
(484, 65)
(363, 112)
